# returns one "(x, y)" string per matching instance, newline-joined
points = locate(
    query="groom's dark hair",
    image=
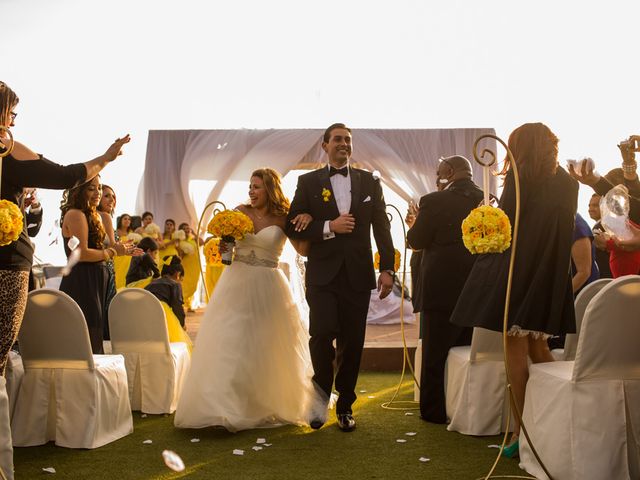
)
(327, 132)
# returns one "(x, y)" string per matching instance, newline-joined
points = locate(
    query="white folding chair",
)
(582, 300)
(68, 395)
(475, 386)
(583, 416)
(156, 369)
(13, 374)
(6, 450)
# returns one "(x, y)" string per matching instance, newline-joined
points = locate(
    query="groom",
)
(344, 203)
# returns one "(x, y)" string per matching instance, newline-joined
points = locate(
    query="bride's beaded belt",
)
(253, 260)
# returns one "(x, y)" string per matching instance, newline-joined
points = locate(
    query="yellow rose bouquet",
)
(211, 252)
(486, 230)
(230, 226)
(396, 260)
(11, 222)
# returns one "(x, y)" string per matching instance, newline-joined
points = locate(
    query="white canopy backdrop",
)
(405, 159)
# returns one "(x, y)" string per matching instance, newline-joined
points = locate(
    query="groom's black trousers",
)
(337, 311)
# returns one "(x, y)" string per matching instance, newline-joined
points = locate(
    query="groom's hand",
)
(385, 283)
(345, 223)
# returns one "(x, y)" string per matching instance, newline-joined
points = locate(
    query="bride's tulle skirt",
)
(250, 366)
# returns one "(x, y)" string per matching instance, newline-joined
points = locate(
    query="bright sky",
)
(87, 71)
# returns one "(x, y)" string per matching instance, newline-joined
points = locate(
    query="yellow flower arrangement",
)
(326, 194)
(211, 253)
(11, 222)
(230, 225)
(396, 260)
(486, 230)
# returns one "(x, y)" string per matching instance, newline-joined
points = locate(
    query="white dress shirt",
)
(341, 187)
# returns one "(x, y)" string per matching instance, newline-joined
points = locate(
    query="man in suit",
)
(344, 203)
(444, 268)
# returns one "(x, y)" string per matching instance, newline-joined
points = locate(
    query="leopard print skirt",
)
(13, 301)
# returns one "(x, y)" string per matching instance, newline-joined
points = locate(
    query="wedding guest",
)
(191, 264)
(24, 168)
(601, 254)
(346, 203)
(541, 301)
(147, 223)
(88, 281)
(444, 268)
(125, 234)
(144, 268)
(33, 219)
(632, 244)
(106, 208)
(168, 289)
(584, 269)
(169, 245)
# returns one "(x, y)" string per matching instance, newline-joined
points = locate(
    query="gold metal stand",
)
(394, 404)
(215, 211)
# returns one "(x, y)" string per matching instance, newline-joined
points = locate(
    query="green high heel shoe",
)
(512, 450)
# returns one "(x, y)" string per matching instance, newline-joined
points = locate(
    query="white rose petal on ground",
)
(173, 460)
(363, 391)
(237, 451)
(267, 444)
(371, 396)
(493, 446)
(411, 434)
(401, 440)
(144, 415)
(408, 414)
(256, 448)
(195, 440)
(49, 470)
(424, 459)
(147, 442)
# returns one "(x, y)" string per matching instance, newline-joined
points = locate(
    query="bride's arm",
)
(301, 221)
(301, 246)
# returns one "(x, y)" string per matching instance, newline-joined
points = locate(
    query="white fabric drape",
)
(406, 160)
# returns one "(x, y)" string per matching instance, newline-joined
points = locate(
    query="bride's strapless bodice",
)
(263, 248)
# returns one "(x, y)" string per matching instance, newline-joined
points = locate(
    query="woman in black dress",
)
(541, 302)
(24, 168)
(88, 281)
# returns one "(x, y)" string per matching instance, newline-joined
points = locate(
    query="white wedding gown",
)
(250, 366)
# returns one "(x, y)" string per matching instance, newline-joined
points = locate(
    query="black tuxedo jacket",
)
(437, 231)
(352, 249)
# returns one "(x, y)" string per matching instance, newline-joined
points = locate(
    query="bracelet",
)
(629, 167)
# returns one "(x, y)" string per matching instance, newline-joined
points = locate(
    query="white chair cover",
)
(475, 386)
(584, 416)
(68, 395)
(156, 369)
(582, 300)
(13, 374)
(6, 450)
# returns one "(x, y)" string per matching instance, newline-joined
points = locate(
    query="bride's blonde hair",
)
(277, 203)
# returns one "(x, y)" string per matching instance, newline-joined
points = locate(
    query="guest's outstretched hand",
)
(586, 174)
(116, 148)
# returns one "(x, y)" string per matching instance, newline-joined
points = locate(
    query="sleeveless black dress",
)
(88, 285)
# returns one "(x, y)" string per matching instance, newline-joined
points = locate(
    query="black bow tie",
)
(342, 171)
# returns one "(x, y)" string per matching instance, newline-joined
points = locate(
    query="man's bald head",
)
(460, 166)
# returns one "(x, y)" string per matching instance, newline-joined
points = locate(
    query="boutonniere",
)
(326, 194)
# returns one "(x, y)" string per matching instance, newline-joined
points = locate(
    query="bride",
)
(251, 366)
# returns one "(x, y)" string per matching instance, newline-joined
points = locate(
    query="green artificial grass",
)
(371, 451)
